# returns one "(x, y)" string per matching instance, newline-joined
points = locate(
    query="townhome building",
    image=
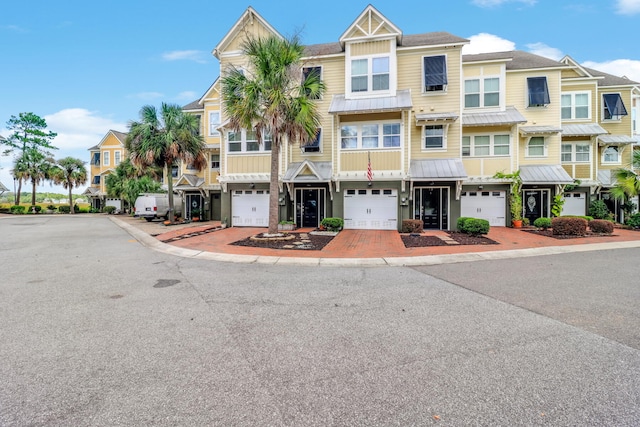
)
(413, 129)
(104, 158)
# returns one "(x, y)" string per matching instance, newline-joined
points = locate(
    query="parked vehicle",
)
(155, 205)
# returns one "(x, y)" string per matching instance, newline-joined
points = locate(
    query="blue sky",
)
(88, 67)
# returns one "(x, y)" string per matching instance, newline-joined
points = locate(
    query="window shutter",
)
(435, 70)
(538, 91)
(613, 102)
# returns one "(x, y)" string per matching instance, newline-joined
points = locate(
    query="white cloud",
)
(185, 55)
(188, 95)
(484, 42)
(546, 51)
(618, 67)
(628, 7)
(495, 3)
(146, 96)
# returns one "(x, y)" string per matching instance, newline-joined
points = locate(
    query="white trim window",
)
(215, 161)
(536, 147)
(315, 146)
(578, 152)
(117, 157)
(370, 75)
(576, 106)
(482, 92)
(106, 158)
(486, 145)
(434, 137)
(611, 154)
(214, 123)
(434, 72)
(365, 136)
(246, 141)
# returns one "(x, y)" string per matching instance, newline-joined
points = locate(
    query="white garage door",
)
(489, 205)
(575, 204)
(250, 208)
(371, 209)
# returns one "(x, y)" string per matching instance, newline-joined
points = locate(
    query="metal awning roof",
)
(438, 169)
(509, 116)
(606, 178)
(589, 129)
(401, 101)
(615, 139)
(544, 174)
(422, 118)
(308, 171)
(539, 130)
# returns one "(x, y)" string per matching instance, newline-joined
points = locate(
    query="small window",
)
(435, 73)
(235, 141)
(351, 192)
(215, 161)
(96, 179)
(362, 192)
(387, 192)
(315, 72)
(614, 108)
(538, 91)
(611, 154)
(214, 123)
(313, 146)
(105, 158)
(375, 192)
(434, 137)
(174, 171)
(116, 157)
(535, 148)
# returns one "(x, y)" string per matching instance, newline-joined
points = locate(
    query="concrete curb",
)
(159, 246)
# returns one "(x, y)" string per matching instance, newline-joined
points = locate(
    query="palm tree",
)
(627, 181)
(272, 98)
(71, 173)
(164, 140)
(33, 165)
(128, 178)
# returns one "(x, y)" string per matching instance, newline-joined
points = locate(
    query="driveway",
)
(99, 330)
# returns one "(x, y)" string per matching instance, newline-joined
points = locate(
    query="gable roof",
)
(515, 60)
(246, 18)
(120, 136)
(371, 24)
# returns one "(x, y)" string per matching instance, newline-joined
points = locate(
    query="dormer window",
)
(613, 106)
(435, 73)
(538, 91)
(370, 74)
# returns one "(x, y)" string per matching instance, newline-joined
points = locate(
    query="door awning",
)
(308, 171)
(544, 174)
(438, 170)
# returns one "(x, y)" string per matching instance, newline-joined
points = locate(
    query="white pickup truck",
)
(156, 205)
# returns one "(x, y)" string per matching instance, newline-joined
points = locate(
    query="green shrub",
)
(634, 220)
(601, 226)
(64, 208)
(475, 226)
(332, 224)
(599, 210)
(412, 226)
(460, 223)
(568, 226)
(38, 208)
(525, 222)
(109, 209)
(543, 223)
(585, 217)
(94, 210)
(17, 209)
(51, 207)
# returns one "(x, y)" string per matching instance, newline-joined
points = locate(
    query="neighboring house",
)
(104, 158)
(432, 126)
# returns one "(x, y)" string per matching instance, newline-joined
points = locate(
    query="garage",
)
(489, 205)
(250, 208)
(369, 209)
(575, 204)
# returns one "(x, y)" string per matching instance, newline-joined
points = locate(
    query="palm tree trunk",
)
(170, 191)
(71, 200)
(33, 192)
(17, 195)
(273, 186)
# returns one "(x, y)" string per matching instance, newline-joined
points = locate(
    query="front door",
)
(431, 205)
(309, 207)
(194, 205)
(536, 204)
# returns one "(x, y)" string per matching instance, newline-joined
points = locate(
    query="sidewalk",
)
(361, 247)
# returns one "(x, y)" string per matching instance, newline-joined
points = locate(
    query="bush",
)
(543, 223)
(460, 223)
(601, 226)
(17, 209)
(586, 217)
(634, 220)
(599, 210)
(568, 226)
(51, 207)
(475, 226)
(332, 224)
(411, 226)
(109, 209)
(64, 208)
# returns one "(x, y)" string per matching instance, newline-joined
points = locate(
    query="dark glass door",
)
(309, 207)
(431, 205)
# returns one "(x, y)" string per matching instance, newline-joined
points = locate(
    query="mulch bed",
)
(420, 241)
(549, 233)
(300, 242)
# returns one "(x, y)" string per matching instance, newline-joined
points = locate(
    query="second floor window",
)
(575, 106)
(105, 158)
(95, 159)
(434, 137)
(117, 157)
(479, 93)
(96, 180)
(214, 122)
(370, 135)
(575, 153)
(175, 169)
(611, 154)
(485, 145)
(613, 106)
(435, 73)
(311, 71)
(370, 74)
(536, 147)
(313, 146)
(215, 161)
(246, 141)
(538, 91)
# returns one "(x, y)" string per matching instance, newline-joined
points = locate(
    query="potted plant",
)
(286, 226)
(515, 199)
(195, 214)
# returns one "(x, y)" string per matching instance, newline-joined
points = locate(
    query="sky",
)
(87, 67)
